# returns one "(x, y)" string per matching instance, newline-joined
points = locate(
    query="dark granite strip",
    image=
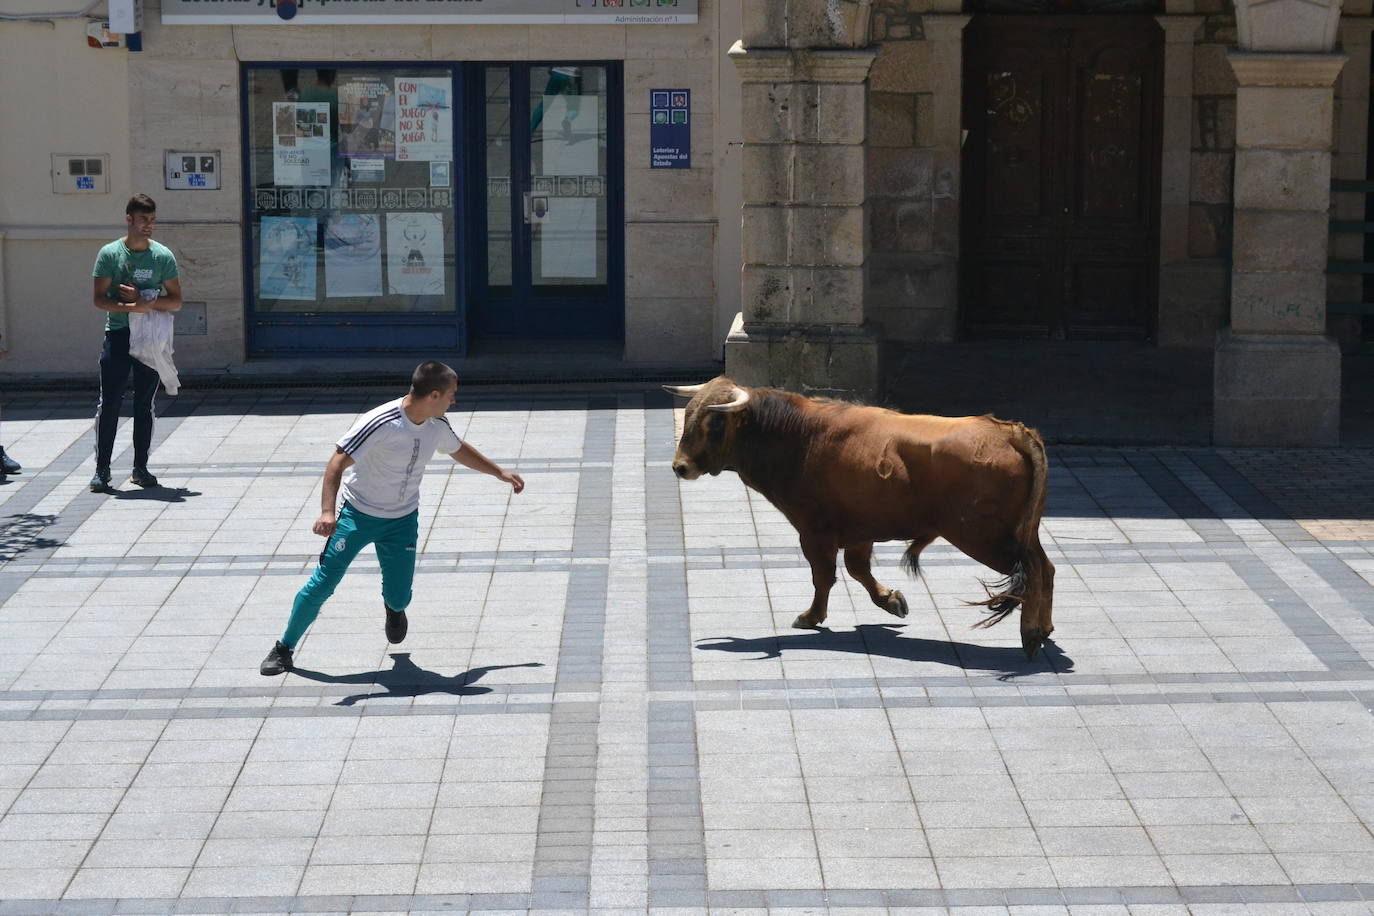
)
(817, 898)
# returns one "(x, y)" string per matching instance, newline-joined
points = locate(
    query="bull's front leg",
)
(820, 553)
(858, 559)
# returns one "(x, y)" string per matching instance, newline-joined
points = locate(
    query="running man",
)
(384, 455)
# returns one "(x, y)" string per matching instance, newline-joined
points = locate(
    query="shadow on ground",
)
(21, 533)
(886, 640)
(406, 679)
(1091, 392)
(154, 494)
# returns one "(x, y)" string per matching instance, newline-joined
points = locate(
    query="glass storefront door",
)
(352, 197)
(553, 210)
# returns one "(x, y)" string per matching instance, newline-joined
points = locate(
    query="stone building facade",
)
(1258, 106)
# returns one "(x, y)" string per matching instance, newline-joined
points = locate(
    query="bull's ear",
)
(739, 399)
(683, 391)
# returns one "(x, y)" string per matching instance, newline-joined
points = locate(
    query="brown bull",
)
(846, 475)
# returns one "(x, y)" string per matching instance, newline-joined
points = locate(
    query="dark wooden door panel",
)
(1018, 131)
(1109, 300)
(1010, 293)
(1112, 125)
(1060, 195)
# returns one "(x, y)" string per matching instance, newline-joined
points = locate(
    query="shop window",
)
(352, 177)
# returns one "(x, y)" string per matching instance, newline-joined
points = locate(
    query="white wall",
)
(59, 96)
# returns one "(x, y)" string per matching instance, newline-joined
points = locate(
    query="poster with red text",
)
(424, 118)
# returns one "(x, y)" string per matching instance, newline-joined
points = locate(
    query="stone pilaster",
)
(804, 221)
(1276, 374)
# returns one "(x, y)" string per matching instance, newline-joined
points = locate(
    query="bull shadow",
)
(406, 679)
(886, 640)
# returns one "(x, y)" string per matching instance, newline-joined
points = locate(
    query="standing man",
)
(7, 464)
(384, 454)
(133, 275)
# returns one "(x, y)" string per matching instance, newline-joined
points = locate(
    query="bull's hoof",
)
(1031, 641)
(804, 622)
(896, 604)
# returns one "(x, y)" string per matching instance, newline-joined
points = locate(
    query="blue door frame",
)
(284, 333)
(520, 312)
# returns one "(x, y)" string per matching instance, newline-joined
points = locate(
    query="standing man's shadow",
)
(406, 679)
(158, 493)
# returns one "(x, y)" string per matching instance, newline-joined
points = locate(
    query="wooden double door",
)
(1061, 176)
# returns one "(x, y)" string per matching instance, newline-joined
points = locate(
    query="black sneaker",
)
(100, 481)
(141, 478)
(278, 661)
(7, 464)
(396, 625)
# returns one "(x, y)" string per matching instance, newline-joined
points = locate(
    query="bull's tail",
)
(1007, 594)
(911, 559)
(1028, 442)
(1004, 596)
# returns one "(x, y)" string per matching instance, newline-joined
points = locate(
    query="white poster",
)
(300, 144)
(568, 239)
(424, 118)
(286, 267)
(353, 255)
(571, 134)
(415, 254)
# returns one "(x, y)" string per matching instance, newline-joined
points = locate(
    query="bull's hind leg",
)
(1037, 619)
(858, 559)
(820, 553)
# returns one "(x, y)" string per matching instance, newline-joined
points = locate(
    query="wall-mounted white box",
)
(126, 16)
(81, 173)
(192, 171)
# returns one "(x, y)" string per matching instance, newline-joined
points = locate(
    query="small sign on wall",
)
(670, 128)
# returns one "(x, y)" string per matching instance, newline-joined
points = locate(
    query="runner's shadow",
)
(158, 493)
(407, 679)
(885, 639)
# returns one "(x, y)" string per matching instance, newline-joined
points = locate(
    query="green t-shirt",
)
(148, 269)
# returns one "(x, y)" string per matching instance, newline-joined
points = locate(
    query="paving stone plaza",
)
(601, 706)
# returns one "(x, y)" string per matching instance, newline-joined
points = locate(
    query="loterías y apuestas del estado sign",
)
(428, 12)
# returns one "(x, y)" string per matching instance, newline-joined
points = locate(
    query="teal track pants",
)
(395, 539)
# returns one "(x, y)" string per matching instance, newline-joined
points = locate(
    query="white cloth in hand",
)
(150, 342)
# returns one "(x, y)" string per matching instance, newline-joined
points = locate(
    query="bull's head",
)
(708, 429)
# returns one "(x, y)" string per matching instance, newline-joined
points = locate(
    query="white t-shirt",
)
(391, 453)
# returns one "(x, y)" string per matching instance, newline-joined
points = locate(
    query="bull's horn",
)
(739, 399)
(684, 391)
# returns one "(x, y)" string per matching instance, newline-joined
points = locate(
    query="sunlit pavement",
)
(601, 704)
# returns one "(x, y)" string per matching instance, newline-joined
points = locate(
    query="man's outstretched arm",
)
(469, 457)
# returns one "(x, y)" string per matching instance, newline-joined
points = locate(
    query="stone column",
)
(1348, 162)
(804, 203)
(1277, 376)
(945, 34)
